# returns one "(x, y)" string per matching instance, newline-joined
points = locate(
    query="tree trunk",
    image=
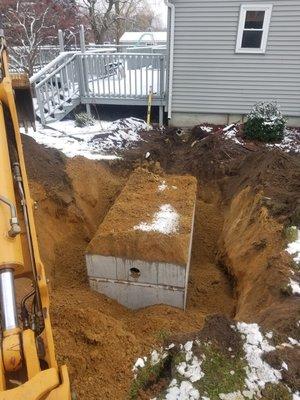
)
(100, 30)
(118, 21)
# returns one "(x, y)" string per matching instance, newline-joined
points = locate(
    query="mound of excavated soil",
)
(237, 256)
(232, 166)
(138, 227)
(47, 167)
(276, 175)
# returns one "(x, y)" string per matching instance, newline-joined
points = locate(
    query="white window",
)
(253, 28)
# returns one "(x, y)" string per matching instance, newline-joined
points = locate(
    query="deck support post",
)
(85, 69)
(61, 41)
(162, 72)
(161, 116)
(61, 50)
(88, 109)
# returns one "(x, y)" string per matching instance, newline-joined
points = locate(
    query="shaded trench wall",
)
(252, 251)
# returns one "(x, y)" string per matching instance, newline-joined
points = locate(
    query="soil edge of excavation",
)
(231, 263)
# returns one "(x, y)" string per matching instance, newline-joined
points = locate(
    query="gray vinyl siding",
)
(209, 77)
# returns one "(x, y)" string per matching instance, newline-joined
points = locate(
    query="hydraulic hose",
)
(14, 222)
(19, 181)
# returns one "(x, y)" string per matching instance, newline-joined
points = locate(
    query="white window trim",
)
(266, 26)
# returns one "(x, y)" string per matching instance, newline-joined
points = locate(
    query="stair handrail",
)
(46, 68)
(55, 71)
(66, 54)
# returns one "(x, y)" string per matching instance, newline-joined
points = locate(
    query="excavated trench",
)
(237, 246)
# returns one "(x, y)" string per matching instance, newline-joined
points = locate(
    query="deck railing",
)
(98, 78)
(45, 54)
(123, 75)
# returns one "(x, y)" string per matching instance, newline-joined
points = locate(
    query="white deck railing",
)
(98, 78)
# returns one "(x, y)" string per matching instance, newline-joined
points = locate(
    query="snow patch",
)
(294, 248)
(185, 391)
(96, 142)
(207, 129)
(259, 373)
(290, 142)
(165, 221)
(68, 127)
(162, 186)
(295, 286)
(294, 342)
(230, 133)
(140, 363)
(284, 366)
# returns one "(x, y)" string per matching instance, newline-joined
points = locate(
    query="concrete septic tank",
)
(140, 255)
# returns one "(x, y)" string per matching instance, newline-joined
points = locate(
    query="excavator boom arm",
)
(28, 366)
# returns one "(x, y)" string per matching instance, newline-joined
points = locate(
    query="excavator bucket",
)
(23, 99)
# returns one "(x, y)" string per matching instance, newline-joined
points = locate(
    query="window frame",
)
(267, 8)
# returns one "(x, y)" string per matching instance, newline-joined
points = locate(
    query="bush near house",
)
(84, 119)
(265, 123)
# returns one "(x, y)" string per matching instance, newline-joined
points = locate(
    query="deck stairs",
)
(57, 89)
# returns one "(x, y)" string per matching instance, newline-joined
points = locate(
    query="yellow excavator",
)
(28, 365)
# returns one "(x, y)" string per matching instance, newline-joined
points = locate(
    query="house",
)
(143, 38)
(226, 55)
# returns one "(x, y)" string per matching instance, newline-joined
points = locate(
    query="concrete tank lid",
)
(151, 220)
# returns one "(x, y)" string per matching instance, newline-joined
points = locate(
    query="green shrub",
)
(265, 123)
(83, 119)
(291, 233)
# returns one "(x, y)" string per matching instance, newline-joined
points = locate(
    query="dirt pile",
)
(237, 247)
(208, 159)
(48, 168)
(273, 173)
(230, 166)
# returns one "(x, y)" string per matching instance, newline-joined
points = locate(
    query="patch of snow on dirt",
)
(295, 286)
(294, 249)
(207, 129)
(165, 221)
(140, 363)
(155, 358)
(68, 127)
(290, 142)
(191, 367)
(162, 186)
(294, 342)
(185, 391)
(230, 133)
(96, 142)
(259, 373)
